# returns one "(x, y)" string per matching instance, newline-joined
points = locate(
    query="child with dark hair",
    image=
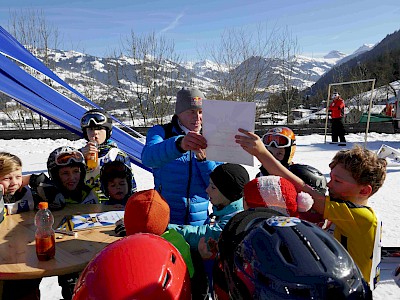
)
(116, 180)
(66, 168)
(225, 191)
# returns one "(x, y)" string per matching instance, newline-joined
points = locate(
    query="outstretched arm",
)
(252, 144)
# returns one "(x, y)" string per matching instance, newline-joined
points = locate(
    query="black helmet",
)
(96, 117)
(310, 176)
(288, 258)
(233, 233)
(120, 164)
(65, 156)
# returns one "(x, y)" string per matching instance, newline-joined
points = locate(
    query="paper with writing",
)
(221, 121)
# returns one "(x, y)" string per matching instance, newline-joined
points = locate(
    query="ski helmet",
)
(139, 266)
(118, 167)
(281, 137)
(232, 234)
(65, 156)
(311, 176)
(96, 118)
(288, 258)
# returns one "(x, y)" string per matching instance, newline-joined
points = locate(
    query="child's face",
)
(11, 182)
(118, 188)
(70, 177)
(278, 153)
(342, 184)
(97, 134)
(216, 197)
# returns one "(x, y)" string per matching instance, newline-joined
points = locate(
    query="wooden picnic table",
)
(18, 258)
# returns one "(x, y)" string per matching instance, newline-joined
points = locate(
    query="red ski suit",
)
(337, 108)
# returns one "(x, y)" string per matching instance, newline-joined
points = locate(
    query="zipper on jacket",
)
(188, 190)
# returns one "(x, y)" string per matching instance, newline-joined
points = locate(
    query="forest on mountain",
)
(381, 63)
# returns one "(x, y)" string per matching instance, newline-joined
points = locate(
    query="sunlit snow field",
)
(311, 150)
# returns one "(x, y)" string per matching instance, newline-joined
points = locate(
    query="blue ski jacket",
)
(178, 177)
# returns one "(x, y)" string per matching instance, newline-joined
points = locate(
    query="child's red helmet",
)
(140, 266)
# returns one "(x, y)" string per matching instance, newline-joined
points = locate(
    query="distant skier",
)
(336, 111)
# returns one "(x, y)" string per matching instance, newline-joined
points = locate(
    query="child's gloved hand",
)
(120, 228)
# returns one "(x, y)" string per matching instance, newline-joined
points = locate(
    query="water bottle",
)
(44, 236)
(92, 158)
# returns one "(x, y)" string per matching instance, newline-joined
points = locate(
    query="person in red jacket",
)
(336, 111)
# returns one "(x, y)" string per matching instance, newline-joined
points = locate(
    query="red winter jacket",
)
(337, 108)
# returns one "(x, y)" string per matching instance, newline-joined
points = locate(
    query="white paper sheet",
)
(221, 121)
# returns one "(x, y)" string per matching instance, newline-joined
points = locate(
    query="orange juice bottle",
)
(44, 236)
(92, 159)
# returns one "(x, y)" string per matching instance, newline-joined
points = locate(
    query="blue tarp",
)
(41, 98)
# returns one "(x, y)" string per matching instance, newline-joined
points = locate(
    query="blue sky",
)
(97, 26)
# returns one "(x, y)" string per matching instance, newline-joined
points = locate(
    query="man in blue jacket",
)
(176, 153)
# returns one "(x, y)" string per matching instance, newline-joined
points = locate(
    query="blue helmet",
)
(287, 258)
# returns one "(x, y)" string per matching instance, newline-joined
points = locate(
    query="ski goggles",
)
(277, 140)
(67, 158)
(96, 117)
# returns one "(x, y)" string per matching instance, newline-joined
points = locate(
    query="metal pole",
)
(369, 113)
(350, 82)
(326, 108)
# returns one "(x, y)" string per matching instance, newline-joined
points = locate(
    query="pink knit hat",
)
(277, 193)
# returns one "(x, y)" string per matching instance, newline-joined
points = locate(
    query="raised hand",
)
(89, 148)
(250, 142)
(193, 141)
(200, 154)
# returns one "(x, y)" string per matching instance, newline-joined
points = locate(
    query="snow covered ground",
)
(310, 150)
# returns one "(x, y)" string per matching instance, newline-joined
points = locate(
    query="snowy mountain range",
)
(90, 75)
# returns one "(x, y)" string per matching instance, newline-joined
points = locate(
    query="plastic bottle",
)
(92, 158)
(44, 236)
